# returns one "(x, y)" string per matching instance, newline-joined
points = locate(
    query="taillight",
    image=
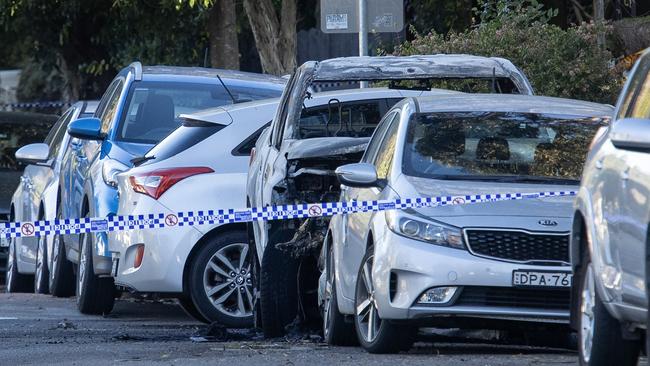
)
(252, 157)
(157, 182)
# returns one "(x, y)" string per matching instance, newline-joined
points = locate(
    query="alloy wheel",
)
(55, 256)
(10, 265)
(39, 262)
(227, 280)
(588, 302)
(368, 321)
(83, 260)
(327, 311)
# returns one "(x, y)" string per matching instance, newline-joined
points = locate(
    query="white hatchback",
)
(201, 166)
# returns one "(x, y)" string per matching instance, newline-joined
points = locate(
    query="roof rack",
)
(137, 70)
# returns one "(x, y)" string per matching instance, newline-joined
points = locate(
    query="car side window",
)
(632, 105)
(57, 126)
(639, 106)
(384, 158)
(108, 115)
(376, 138)
(55, 144)
(104, 100)
(245, 147)
(283, 110)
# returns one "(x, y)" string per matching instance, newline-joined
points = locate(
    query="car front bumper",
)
(484, 286)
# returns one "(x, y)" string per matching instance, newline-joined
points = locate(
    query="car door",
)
(356, 225)
(43, 172)
(35, 179)
(83, 151)
(634, 195)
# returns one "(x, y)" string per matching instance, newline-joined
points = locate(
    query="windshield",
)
(153, 108)
(343, 119)
(498, 146)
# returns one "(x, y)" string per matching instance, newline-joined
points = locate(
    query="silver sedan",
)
(488, 265)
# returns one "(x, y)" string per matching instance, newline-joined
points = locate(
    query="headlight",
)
(429, 231)
(110, 169)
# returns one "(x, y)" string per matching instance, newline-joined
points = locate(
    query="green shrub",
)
(564, 63)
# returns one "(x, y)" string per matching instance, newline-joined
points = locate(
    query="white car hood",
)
(524, 213)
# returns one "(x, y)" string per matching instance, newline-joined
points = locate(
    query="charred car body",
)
(295, 158)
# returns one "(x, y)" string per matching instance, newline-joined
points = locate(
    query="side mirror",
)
(86, 129)
(357, 175)
(631, 134)
(33, 153)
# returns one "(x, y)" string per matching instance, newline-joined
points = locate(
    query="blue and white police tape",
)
(44, 104)
(279, 212)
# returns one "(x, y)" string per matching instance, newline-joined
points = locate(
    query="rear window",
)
(153, 108)
(184, 137)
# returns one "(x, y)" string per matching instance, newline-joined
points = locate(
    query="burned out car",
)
(295, 158)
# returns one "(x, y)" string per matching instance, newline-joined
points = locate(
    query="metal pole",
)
(363, 34)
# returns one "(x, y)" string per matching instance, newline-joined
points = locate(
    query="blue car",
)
(140, 107)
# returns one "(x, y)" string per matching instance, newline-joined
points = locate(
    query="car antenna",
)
(234, 101)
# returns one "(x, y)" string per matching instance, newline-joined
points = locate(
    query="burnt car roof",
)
(406, 67)
(512, 103)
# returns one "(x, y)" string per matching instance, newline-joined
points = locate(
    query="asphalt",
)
(40, 329)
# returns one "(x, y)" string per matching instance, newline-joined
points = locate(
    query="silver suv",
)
(610, 237)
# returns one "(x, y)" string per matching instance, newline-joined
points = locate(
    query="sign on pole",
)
(342, 16)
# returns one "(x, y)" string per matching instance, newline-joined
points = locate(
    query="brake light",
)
(157, 182)
(252, 157)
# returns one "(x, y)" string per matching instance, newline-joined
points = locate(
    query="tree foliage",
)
(558, 62)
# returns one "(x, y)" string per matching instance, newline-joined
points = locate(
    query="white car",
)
(200, 166)
(497, 264)
(611, 233)
(295, 161)
(37, 198)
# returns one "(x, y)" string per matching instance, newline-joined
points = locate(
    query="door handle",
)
(599, 164)
(625, 175)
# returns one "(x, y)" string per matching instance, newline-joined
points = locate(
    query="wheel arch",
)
(219, 230)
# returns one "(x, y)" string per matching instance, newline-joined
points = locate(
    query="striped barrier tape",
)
(279, 212)
(44, 104)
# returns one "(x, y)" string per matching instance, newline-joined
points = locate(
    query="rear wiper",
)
(141, 159)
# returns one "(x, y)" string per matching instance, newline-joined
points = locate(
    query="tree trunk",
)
(275, 37)
(599, 17)
(222, 31)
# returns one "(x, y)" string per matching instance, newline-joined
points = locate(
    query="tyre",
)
(336, 331)
(62, 281)
(600, 338)
(16, 282)
(376, 335)
(185, 302)
(41, 274)
(278, 287)
(220, 282)
(95, 295)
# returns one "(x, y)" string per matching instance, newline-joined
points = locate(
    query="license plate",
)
(541, 279)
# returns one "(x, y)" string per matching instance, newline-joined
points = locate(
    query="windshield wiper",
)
(532, 179)
(508, 178)
(141, 159)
